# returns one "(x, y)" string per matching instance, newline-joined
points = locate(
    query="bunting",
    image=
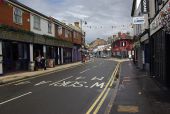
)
(111, 27)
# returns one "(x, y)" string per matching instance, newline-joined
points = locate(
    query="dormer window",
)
(17, 16)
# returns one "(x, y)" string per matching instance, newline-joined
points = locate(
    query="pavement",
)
(7, 78)
(137, 93)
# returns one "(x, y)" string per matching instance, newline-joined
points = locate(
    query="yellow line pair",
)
(104, 93)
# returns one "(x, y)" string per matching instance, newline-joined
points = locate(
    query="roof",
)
(36, 12)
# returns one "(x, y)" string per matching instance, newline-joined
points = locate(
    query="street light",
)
(82, 37)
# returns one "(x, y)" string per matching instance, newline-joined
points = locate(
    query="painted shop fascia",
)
(156, 23)
(30, 37)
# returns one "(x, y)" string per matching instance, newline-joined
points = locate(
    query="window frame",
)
(60, 30)
(50, 27)
(37, 20)
(66, 33)
(17, 15)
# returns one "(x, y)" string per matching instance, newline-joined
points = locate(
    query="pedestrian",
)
(43, 63)
(37, 63)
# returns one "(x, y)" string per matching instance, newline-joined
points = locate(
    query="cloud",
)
(101, 15)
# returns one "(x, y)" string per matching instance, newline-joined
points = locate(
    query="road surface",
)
(83, 89)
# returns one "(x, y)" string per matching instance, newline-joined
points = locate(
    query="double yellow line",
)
(101, 98)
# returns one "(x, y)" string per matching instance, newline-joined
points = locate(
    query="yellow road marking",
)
(107, 92)
(111, 84)
(128, 109)
(102, 93)
(101, 102)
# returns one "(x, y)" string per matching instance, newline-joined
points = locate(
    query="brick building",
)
(122, 46)
(26, 34)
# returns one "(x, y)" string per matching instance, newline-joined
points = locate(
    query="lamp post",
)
(82, 38)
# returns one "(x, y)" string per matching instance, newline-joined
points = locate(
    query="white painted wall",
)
(44, 27)
(138, 29)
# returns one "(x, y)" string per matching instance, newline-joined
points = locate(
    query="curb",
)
(110, 105)
(19, 79)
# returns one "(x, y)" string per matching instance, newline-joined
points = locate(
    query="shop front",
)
(76, 53)
(15, 56)
(160, 49)
(67, 55)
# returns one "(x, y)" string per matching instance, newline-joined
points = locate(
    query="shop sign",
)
(158, 22)
(138, 20)
(144, 6)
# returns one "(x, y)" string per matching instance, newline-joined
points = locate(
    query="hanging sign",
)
(144, 6)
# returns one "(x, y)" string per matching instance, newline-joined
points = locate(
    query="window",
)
(36, 22)
(60, 31)
(17, 16)
(66, 33)
(49, 27)
(74, 34)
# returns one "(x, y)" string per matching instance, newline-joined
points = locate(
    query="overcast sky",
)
(104, 17)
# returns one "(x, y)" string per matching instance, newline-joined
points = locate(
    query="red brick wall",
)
(6, 12)
(63, 34)
(77, 40)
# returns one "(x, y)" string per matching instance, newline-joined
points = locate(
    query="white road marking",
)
(101, 85)
(70, 84)
(22, 83)
(84, 71)
(95, 78)
(86, 86)
(78, 78)
(42, 82)
(94, 66)
(15, 98)
(60, 80)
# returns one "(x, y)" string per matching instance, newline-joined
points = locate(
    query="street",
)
(79, 90)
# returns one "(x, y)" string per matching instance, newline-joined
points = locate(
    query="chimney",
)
(77, 24)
